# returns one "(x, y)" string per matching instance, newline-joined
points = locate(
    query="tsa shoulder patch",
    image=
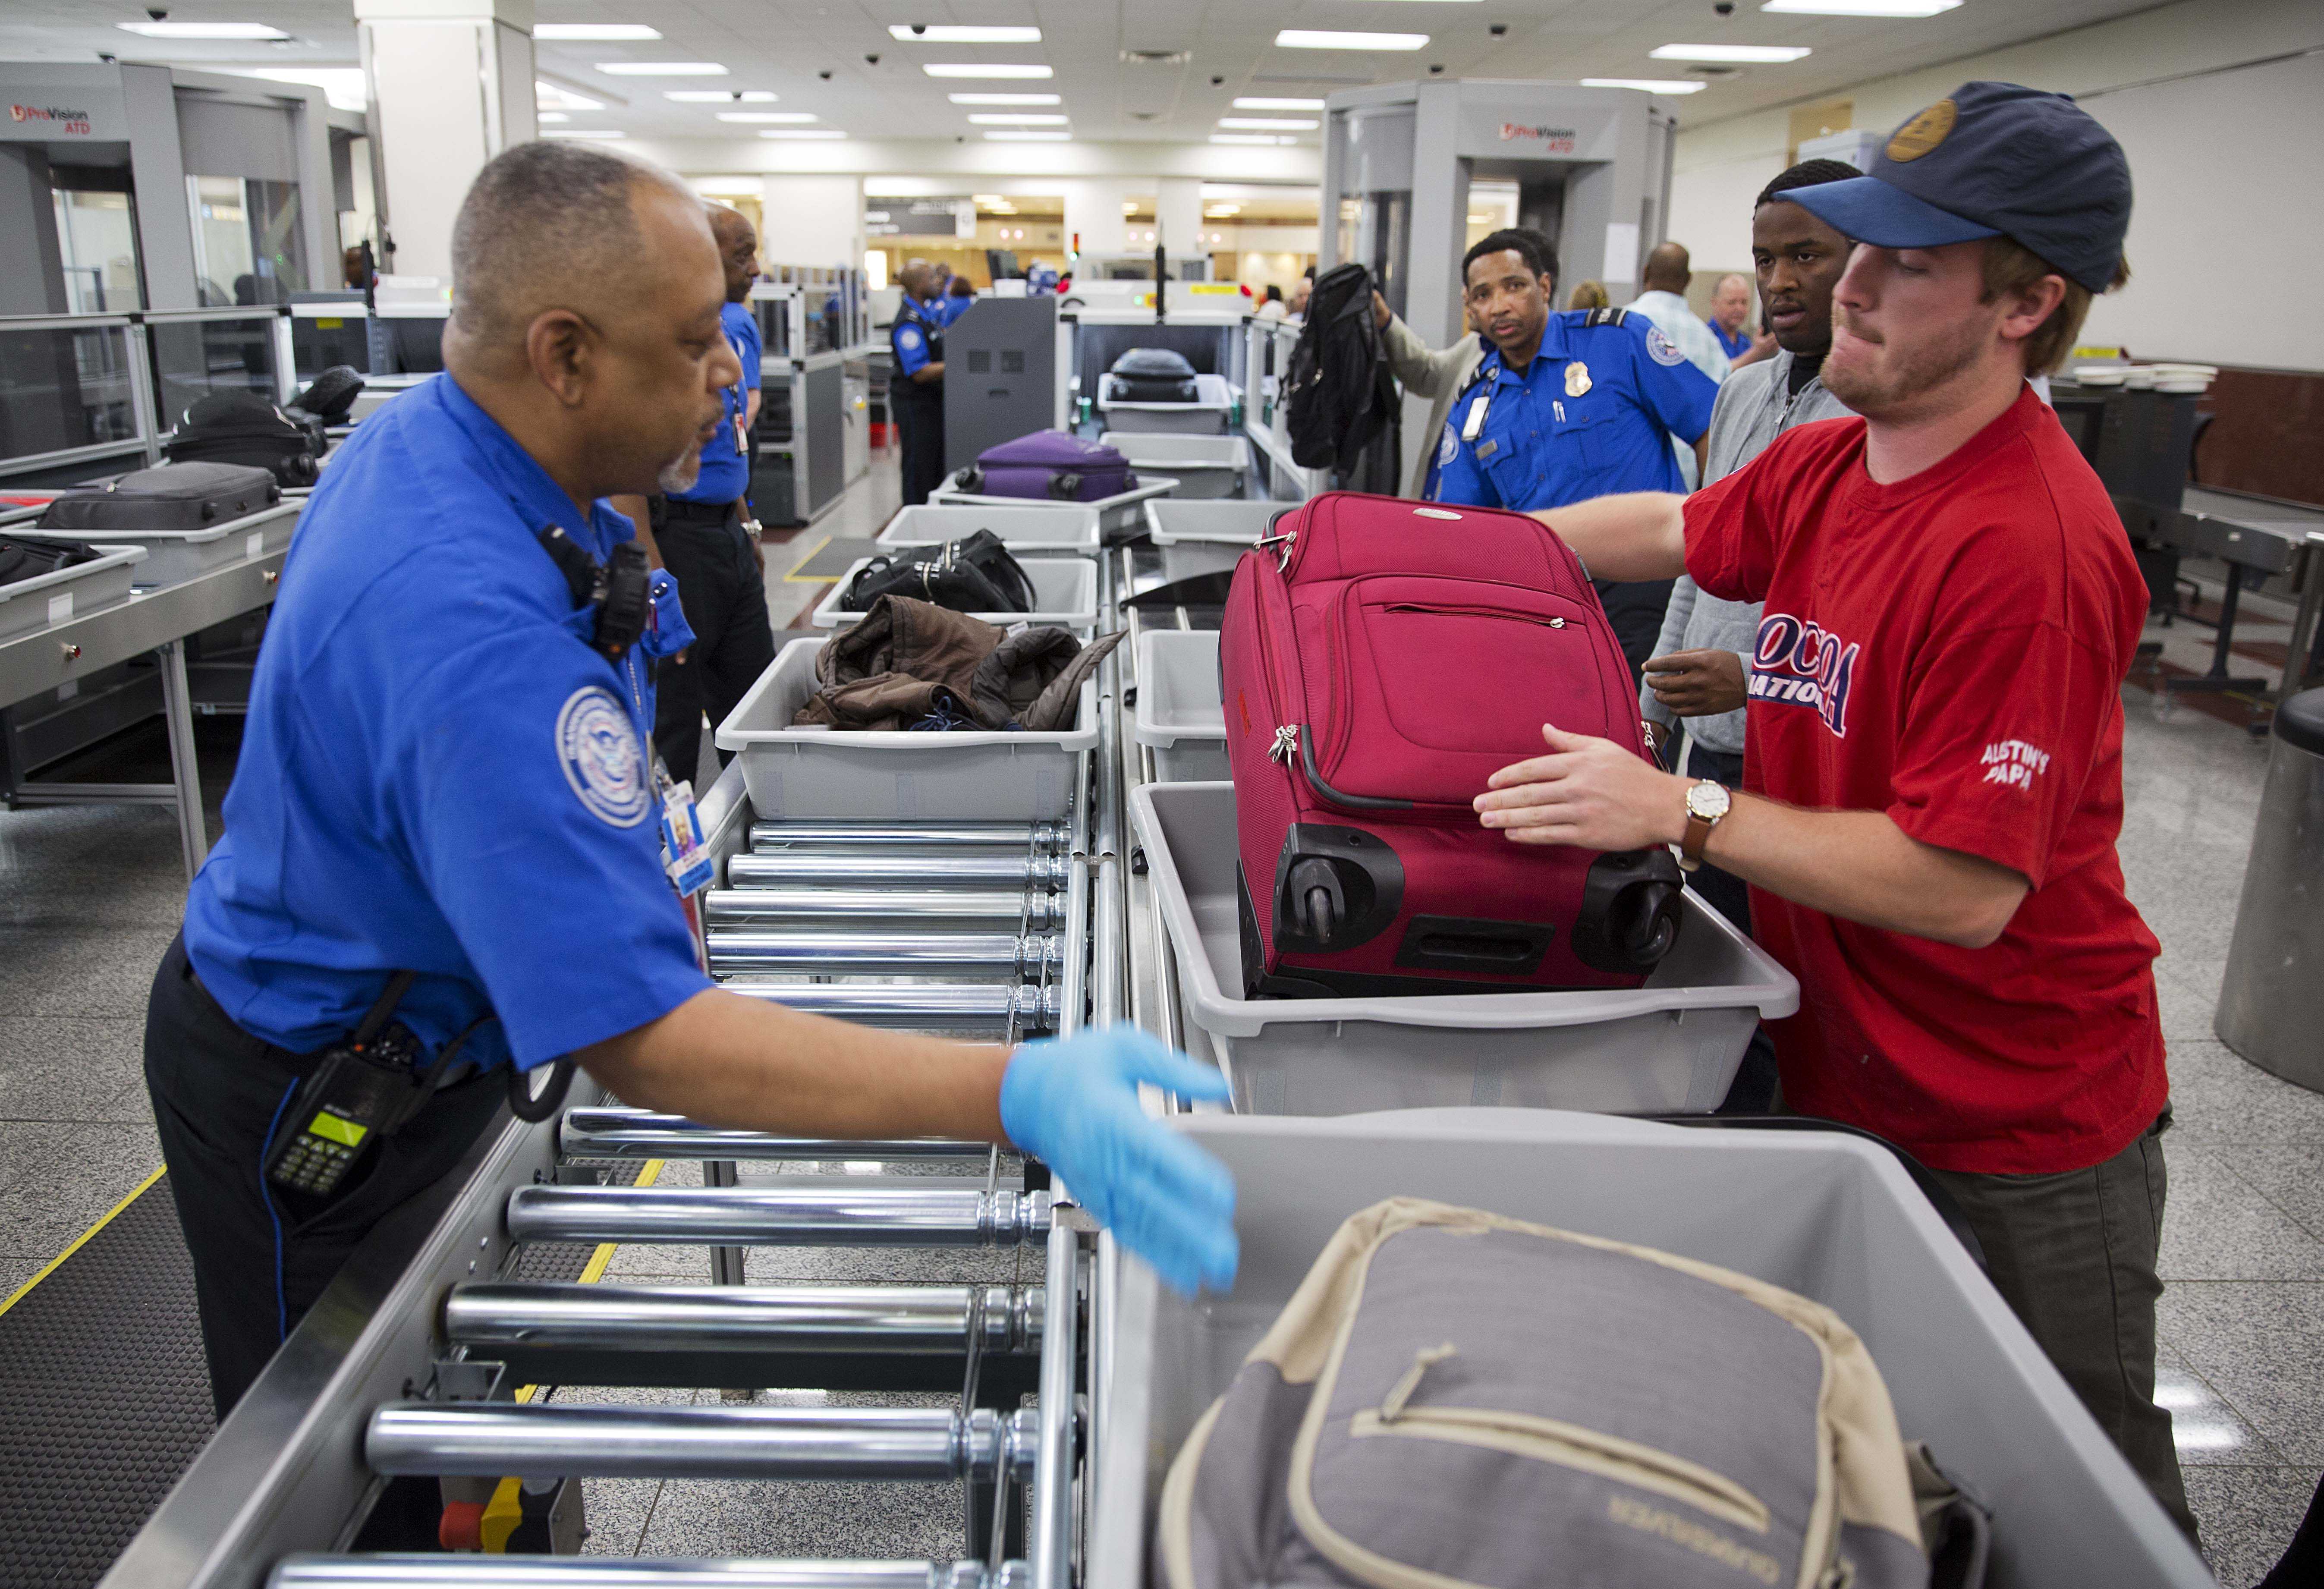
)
(1661, 348)
(597, 748)
(908, 337)
(1448, 447)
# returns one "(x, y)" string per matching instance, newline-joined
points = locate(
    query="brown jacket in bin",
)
(909, 660)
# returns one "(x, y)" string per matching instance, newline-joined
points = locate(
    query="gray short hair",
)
(539, 216)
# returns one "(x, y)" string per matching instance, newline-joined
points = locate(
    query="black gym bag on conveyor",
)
(1153, 375)
(169, 496)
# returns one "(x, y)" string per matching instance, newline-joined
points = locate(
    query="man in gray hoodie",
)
(1697, 673)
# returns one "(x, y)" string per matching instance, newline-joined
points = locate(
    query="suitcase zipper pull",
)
(1285, 745)
(1286, 540)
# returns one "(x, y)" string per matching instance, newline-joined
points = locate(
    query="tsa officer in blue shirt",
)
(709, 537)
(1567, 406)
(441, 871)
(915, 391)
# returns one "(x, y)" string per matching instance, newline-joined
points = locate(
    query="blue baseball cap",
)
(1992, 159)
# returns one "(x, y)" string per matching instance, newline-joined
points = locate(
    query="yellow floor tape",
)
(48, 1268)
(595, 1268)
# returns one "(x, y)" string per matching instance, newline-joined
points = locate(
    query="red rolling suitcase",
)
(1380, 658)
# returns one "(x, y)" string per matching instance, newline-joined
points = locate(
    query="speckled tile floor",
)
(89, 896)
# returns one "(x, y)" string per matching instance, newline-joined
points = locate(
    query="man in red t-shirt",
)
(1933, 767)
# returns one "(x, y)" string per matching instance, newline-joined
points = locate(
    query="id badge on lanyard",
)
(683, 854)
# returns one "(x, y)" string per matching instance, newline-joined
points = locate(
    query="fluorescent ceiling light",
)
(971, 69)
(1005, 99)
(1130, 206)
(583, 133)
(342, 86)
(1861, 8)
(789, 116)
(1651, 85)
(1011, 118)
(550, 94)
(601, 32)
(1735, 52)
(546, 117)
(1021, 136)
(1249, 138)
(662, 69)
(988, 198)
(1260, 124)
(803, 133)
(954, 34)
(721, 95)
(1263, 103)
(730, 187)
(1312, 39)
(1221, 212)
(202, 30)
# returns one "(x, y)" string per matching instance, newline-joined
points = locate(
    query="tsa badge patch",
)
(1448, 447)
(908, 337)
(598, 748)
(1663, 350)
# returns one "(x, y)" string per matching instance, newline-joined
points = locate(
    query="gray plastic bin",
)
(1117, 516)
(60, 597)
(1210, 414)
(1022, 526)
(1205, 466)
(1178, 713)
(816, 772)
(1064, 594)
(1207, 537)
(1831, 1216)
(1669, 1046)
(172, 557)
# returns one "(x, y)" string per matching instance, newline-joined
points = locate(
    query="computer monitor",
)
(1001, 263)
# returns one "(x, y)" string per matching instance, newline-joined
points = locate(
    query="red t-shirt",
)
(1950, 650)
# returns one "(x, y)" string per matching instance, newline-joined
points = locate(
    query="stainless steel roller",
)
(995, 911)
(624, 1572)
(1042, 837)
(762, 951)
(883, 1319)
(489, 1440)
(970, 1007)
(938, 1216)
(978, 870)
(615, 1132)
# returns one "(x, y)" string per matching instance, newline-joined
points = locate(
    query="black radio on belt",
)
(621, 590)
(359, 1093)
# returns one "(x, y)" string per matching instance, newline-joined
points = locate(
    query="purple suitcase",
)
(1051, 465)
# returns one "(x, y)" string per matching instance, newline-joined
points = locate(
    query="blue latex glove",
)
(1073, 1101)
(669, 632)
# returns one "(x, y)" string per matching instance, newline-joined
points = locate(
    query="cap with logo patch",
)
(1992, 159)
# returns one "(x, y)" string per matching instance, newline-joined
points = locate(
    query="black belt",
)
(678, 510)
(298, 1065)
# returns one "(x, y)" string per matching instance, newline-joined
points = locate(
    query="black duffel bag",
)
(22, 559)
(1153, 375)
(239, 427)
(330, 397)
(168, 496)
(972, 576)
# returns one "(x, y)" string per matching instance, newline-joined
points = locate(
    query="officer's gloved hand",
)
(669, 632)
(1073, 1101)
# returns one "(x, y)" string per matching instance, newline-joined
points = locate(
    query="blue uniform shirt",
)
(908, 337)
(725, 461)
(950, 308)
(1737, 346)
(437, 773)
(1593, 414)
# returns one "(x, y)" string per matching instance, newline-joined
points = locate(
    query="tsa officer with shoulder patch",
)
(1567, 406)
(442, 868)
(915, 392)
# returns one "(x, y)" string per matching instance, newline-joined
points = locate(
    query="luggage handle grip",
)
(1353, 802)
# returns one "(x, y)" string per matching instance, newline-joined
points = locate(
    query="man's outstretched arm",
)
(1636, 535)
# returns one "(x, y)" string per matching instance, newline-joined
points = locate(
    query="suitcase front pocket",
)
(1436, 684)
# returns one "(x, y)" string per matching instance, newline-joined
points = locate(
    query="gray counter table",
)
(2256, 538)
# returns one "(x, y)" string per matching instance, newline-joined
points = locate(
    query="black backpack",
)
(1340, 393)
(1153, 375)
(21, 560)
(239, 427)
(330, 397)
(972, 576)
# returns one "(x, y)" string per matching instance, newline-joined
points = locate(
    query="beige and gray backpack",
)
(1456, 1400)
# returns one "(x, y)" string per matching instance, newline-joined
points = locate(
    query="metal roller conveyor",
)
(982, 870)
(755, 1319)
(1041, 838)
(489, 1440)
(642, 1133)
(995, 911)
(749, 950)
(748, 1217)
(622, 1572)
(986, 1007)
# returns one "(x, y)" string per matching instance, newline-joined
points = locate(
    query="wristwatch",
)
(1706, 803)
(753, 528)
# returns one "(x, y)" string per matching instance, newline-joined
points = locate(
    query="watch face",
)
(1707, 801)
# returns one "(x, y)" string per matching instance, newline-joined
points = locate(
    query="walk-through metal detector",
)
(1592, 168)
